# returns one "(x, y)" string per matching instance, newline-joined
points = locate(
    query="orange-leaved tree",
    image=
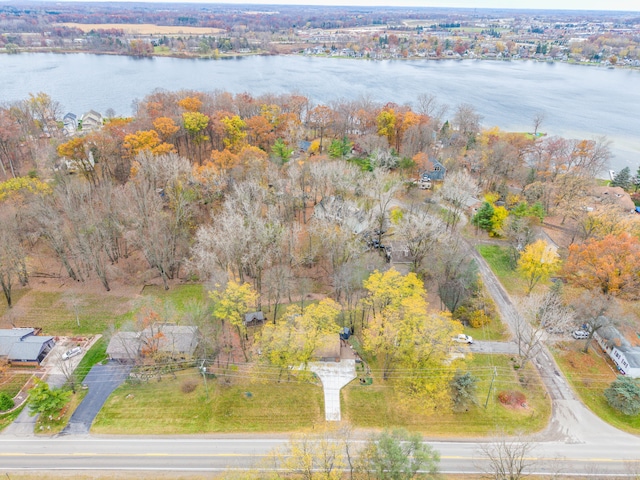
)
(610, 264)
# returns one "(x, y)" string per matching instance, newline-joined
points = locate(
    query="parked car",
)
(71, 353)
(462, 338)
(580, 334)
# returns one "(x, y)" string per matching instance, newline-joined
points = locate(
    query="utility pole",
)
(495, 373)
(203, 370)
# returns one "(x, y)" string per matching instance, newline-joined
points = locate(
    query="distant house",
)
(612, 196)
(91, 120)
(253, 319)
(624, 355)
(22, 346)
(436, 172)
(70, 121)
(342, 212)
(398, 253)
(174, 340)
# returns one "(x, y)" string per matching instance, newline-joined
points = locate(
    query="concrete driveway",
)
(334, 376)
(102, 380)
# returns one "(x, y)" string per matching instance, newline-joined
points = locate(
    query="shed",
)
(253, 319)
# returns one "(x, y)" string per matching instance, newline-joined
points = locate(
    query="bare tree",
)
(538, 314)
(12, 255)
(507, 458)
(420, 232)
(537, 120)
(429, 105)
(457, 192)
(467, 120)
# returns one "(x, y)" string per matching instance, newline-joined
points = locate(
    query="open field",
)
(374, 406)
(143, 28)
(590, 374)
(157, 408)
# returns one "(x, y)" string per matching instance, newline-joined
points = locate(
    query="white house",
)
(624, 355)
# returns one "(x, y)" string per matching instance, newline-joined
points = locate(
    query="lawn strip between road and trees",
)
(376, 405)
(183, 405)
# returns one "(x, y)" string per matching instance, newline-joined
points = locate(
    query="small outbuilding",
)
(254, 319)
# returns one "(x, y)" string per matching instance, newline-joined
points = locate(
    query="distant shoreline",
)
(226, 56)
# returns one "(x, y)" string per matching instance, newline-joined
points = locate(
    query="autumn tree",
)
(610, 264)
(195, 123)
(295, 338)
(538, 261)
(148, 140)
(231, 304)
(402, 335)
(321, 118)
(235, 134)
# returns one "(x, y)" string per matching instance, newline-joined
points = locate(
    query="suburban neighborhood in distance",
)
(293, 288)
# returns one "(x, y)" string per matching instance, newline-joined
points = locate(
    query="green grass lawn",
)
(96, 354)
(244, 406)
(11, 383)
(55, 315)
(375, 406)
(498, 259)
(493, 331)
(589, 374)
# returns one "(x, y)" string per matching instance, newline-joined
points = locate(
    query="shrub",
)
(512, 397)
(463, 390)
(478, 319)
(189, 385)
(624, 395)
(6, 402)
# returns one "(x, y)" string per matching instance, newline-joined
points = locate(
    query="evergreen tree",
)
(636, 180)
(622, 179)
(484, 217)
(624, 395)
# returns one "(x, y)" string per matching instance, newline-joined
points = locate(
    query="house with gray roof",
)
(21, 346)
(174, 340)
(625, 355)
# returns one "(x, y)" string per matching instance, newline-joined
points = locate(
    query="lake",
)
(578, 101)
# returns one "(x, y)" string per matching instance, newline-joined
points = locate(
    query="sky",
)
(609, 5)
(629, 5)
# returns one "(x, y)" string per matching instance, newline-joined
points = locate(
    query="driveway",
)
(483, 346)
(334, 376)
(102, 380)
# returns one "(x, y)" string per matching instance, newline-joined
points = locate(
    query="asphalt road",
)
(224, 453)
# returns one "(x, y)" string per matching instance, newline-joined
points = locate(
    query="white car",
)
(462, 338)
(580, 334)
(71, 353)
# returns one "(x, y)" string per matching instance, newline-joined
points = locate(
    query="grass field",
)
(162, 407)
(589, 375)
(498, 259)
(143, 28)
(375, 406)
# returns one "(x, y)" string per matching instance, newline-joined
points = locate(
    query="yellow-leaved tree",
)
(537, 263)
(413, 347)
(295, 339)
(231, 304)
